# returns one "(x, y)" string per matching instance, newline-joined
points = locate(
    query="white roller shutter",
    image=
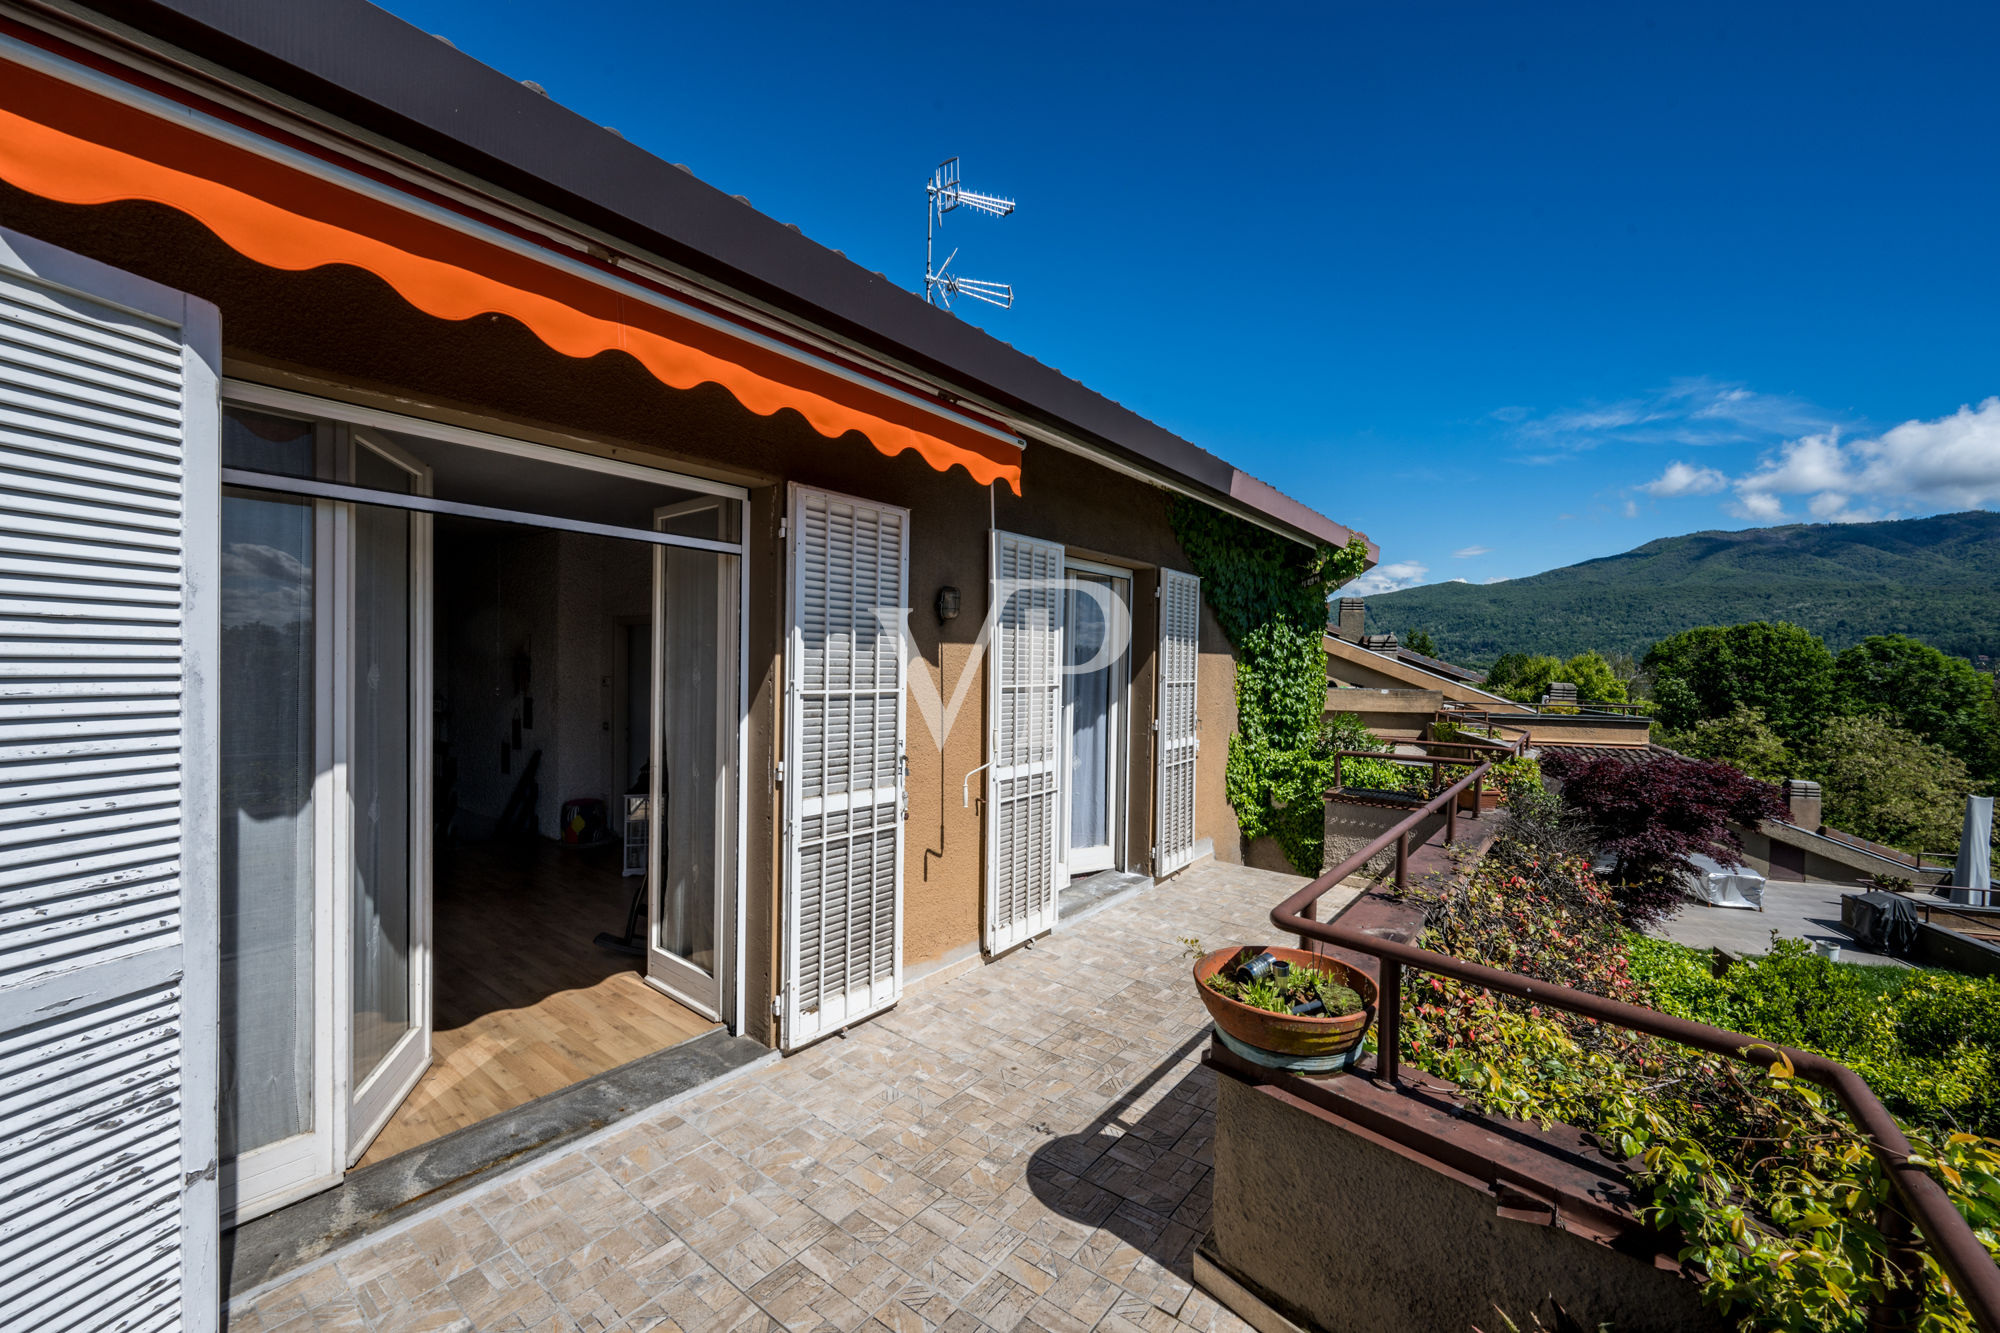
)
(844, 762)
(1178, 736)
(108, 951)
(1024, 735)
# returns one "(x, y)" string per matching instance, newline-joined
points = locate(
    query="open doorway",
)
(534, 754)
(464, 678)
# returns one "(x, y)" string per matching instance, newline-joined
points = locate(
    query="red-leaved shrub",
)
(1655, 814)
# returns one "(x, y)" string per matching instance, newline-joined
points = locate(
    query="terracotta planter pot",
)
(1489, 799)
(1288, 1034)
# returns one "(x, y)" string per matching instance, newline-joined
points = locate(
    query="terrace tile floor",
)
(1023, 1147)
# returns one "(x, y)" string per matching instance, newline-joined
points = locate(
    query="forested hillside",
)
(1935, 579)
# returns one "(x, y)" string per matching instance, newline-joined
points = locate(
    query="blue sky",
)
(1504, 288)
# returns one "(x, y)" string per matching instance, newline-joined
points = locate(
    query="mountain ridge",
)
(1936, 579)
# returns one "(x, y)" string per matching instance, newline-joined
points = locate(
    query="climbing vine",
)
(1269, 595)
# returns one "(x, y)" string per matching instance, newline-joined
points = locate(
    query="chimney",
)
(1560, 692)
(1803, 798)
(1350, 620)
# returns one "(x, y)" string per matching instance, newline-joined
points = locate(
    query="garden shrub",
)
(1516, 775)
(1742, 738)
(1653, 816)
(1928, 1042)
(1773, 1194)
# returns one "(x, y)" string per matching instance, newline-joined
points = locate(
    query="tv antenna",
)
(940, 283)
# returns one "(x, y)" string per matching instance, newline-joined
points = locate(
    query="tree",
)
(1885, 783)
(1510, 673)
(1780, 670)
(1420, 641)
(1594, 679)
(1653, 815)
(1519, 676)
(1742, 739)
(1940, 698)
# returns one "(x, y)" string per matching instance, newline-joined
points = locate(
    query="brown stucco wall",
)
(343, 333)
(1215, 709)
(1372, 1241)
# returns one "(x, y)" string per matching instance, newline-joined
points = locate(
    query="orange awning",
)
(68, 144)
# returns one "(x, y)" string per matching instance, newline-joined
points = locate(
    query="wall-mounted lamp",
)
(947, 604)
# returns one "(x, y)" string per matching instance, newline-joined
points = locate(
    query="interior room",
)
(542, 665)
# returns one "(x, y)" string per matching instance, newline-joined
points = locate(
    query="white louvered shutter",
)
(844, 762)
(1024, 736)
(108, 953)
(1179, 738)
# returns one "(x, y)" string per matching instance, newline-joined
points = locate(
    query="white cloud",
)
(263, 585)
(1388, 578)
(1467, 552)
(1631, 509)
(1497, 578)
(1688, 413)
(1757, 505)
(1685, 479)
(1952, 462)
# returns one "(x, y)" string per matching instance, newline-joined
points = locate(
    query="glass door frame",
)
(278, 1173)
(371, 1102)
(1117, 745)
(666, 970)
(307, 1163)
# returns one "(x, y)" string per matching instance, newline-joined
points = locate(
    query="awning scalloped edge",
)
(72, 146)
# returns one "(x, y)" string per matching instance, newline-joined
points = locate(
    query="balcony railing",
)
(1923, 1202)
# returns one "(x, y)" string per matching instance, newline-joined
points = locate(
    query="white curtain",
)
(1090, 725)
(267, 822)
(691, 780)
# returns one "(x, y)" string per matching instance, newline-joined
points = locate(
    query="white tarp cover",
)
(1711, 884)
(1972, 880)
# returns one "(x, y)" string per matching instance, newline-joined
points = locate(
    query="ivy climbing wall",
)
(1269, 595)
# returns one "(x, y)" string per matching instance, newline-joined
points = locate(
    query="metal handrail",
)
(1924, 1201)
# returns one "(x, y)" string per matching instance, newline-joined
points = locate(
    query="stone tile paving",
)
(1023, 1148)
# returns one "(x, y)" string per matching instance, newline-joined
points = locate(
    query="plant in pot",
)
(1285, 1008)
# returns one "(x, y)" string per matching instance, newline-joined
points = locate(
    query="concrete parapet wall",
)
(1350, 826)
(1341, 1228)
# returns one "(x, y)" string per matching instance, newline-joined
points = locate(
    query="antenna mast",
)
(940, 283)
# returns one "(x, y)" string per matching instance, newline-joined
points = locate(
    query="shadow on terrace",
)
(1141, 1170)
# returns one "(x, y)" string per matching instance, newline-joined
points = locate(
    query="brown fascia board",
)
(362, 64)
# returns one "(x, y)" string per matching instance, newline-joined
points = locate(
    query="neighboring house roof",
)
(1414, 671)
(1440, 667)
(361, 64)
(1631, 754)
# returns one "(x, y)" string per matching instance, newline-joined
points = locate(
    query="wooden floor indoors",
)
(525, 1003)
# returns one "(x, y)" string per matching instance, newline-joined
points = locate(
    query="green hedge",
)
(1927, 1041)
